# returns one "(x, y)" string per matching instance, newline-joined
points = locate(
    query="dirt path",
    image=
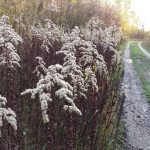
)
(136, 108)
(143, 50)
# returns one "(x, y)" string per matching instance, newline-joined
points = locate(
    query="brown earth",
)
(136, 108)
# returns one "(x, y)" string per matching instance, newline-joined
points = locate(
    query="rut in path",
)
(136, 107)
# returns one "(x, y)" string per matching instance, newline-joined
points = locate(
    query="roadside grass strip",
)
(146, 45)
(122, 47)
(142, 66)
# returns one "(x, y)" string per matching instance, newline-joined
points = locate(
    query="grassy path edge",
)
(141, 65)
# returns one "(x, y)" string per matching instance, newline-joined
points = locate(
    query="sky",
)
(142, 10)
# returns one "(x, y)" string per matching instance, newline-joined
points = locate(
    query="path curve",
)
(136, 108)
(143, 50)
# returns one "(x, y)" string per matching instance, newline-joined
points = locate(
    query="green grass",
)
(146, 46)
(142, 65)
(121, 49)
(122, 46)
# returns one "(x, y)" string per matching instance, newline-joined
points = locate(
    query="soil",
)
(136, 108)
(143, 50)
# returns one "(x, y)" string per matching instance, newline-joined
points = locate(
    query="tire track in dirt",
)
(143, 50)
(136, 108)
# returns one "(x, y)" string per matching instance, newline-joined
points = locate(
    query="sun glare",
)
(142, 10)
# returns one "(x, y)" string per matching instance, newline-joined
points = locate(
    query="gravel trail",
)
(136, 107)
(143, 50)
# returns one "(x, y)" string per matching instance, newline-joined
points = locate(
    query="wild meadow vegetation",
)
(60, 75)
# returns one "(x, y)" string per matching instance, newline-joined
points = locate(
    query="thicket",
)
(61, 80)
